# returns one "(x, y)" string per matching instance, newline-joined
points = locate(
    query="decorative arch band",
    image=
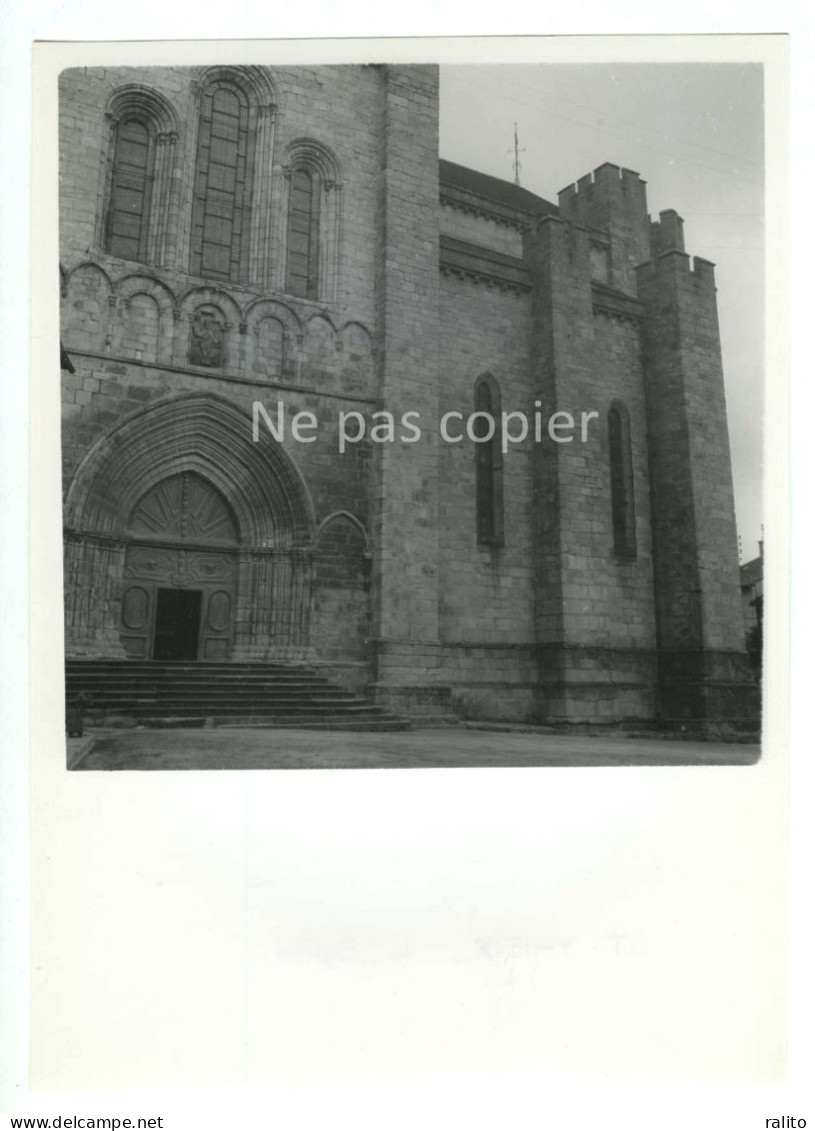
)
(206, 435)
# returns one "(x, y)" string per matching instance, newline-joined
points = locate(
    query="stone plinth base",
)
(354, 677)
(413, 699)
(707, 689)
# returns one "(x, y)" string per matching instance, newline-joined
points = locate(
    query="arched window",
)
(489, 469)
(622, 482)
(219, 243)
(138, 186)
(130, 190)
(303, 236)
(310, 265)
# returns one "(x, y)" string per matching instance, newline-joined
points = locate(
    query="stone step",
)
(231, 691)
(394, 723)
(270, 722)
(135, 687)
(203, 710)
(259, 673)
(182, 694)
(128, 678)
(211, 666)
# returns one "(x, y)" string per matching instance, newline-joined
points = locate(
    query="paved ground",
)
(77, 749)
(235, 749)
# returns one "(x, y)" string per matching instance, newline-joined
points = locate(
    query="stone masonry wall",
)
(704, 673)
(337, 106)
(481, 230)
(406, 528)
(594, 611)
(486, 592)
(311, 355)
(550, 626)
(128, 326)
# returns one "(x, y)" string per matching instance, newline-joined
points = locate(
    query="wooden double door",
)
(178, 604)
(180, 574)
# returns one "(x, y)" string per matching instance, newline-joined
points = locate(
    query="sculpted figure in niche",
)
(207, 340)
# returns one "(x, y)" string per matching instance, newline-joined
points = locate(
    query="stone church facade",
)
(235, 235)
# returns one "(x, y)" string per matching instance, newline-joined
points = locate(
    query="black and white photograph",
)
(412, 414)
(421, 419)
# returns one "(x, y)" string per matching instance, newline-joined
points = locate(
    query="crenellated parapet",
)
(667, 233)
(611, 201)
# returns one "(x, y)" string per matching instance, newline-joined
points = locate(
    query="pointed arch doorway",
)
(180, 498)
(180, 573)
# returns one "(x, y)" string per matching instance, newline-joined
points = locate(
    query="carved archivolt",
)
(247, 497)
(197, 433)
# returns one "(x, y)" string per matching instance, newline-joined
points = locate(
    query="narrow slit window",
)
(622, 483)
(489, 473)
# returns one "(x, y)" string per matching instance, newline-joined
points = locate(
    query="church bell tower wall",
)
(703, 668)
(612, 201)
(594, 605)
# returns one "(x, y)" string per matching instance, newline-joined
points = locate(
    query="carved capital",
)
(287, 171)
(241, 327)
(331, 186)
(112, 300)
(269, 111)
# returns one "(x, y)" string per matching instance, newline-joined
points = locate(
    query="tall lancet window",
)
(622, 482)
(303, 238)
(222, 189)
(310, 265)
(489, 468)
(130, 190)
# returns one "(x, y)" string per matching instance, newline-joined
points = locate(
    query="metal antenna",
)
(517, 161)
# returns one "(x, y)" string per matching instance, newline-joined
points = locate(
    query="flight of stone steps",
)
(181, 694)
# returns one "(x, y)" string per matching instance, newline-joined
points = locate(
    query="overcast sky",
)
(694, 132)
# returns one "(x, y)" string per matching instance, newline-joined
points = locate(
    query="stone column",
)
(182, 212)
(406, 492)
(557, 255)
(330, 240)
(93, 591)
(104, 183)
(272, 616)
(160, 206)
